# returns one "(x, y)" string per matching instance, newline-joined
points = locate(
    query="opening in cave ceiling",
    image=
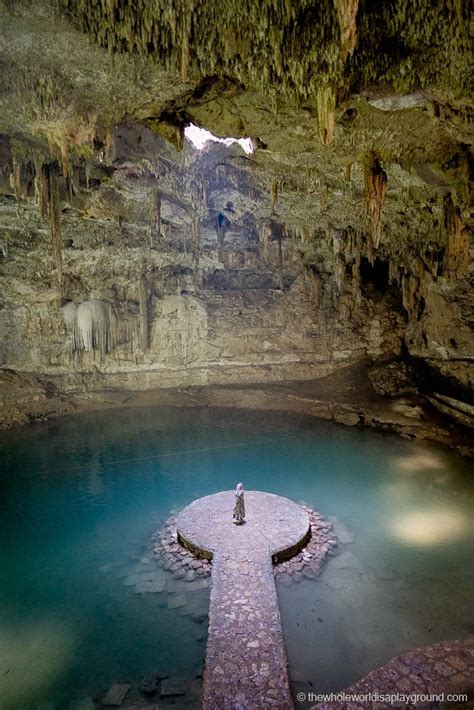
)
(199, 137)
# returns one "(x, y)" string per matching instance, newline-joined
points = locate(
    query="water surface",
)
(81, 497)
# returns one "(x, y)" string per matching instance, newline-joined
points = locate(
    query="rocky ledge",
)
(347, 396)
(26, 398)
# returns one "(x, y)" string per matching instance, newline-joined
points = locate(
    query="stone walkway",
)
(305, 564)
(246, 663)
(445, 668)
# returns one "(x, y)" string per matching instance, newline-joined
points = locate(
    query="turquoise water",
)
(81, 497)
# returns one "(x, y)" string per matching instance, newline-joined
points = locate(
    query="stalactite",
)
(356, 290)
(339, 273)
(393, 272)
(38, 186)
(352, 245)
(185, 34)
(275, 190)
(375, 186)
(280, 261)
(326, 107)
(324, 197)
(222, 224)
(278, 59)
(184, 51)
(339, 260)
(55, 225)
(196, 237)
(93, 326)
(42, 190)
(97, 326)
(75, 184)
(143, 313)
(50, 209)
(64, 150)
(155, 215)
(317, 289)
(456, 258)
(220, 233)
(411, 293)
(346, 15)
(69, 187)
(69, 312)
(337, 241)
(265, 239)
(15, 179)
(255, 43)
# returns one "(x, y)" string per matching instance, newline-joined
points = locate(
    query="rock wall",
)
(180, 322)
(177, 270)
(182, 269)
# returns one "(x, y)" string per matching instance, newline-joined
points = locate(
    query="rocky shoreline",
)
(346, 396)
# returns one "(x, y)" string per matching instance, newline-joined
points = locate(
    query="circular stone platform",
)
(246, 664)
(272, 523)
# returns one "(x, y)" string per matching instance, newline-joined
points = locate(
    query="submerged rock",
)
(116, 695)
(149, 686)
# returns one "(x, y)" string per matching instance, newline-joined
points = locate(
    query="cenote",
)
(81, 498)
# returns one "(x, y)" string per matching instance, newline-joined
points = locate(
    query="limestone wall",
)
(180, 322)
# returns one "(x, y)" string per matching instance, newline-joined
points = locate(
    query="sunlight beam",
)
(200, 136)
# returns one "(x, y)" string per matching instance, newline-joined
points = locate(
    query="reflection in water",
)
(433, 527)
(32, 658)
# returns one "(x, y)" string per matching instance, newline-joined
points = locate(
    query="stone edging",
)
(307, 563)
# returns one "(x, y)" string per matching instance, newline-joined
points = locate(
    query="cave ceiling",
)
(349, 104)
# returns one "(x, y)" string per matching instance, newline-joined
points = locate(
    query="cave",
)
(375, 276)
(236, 355)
